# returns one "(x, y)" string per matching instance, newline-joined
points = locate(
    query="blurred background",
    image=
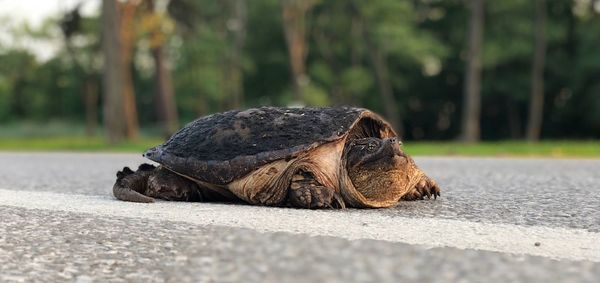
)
(96, 74)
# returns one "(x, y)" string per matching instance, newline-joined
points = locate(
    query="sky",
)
(34, 12)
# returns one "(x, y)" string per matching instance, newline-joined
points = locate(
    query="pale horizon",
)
(16, 13)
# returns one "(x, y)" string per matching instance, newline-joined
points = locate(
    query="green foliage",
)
(356, 81)
(316, 96)
(424, 43)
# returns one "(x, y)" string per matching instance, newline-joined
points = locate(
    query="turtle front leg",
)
(150, 182)
(131, 186)
(306, 192)
(426, 187)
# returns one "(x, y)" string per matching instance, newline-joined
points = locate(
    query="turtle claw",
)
(424, 188)
(338, 201)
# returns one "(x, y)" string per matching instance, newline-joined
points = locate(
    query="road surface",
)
(498, 220)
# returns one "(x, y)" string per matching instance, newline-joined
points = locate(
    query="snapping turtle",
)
(302, 157)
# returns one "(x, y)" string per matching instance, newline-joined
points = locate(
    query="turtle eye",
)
(371, 146)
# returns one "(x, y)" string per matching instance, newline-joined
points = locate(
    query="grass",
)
(64, 136)
(76, 143)
(555, 149)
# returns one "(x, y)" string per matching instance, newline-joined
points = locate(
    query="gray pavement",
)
(538, 192)
(53, 245)
(60, 246)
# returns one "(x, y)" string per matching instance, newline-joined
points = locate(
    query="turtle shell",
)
(222, 147)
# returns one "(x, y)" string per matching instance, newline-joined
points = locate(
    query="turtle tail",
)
(130, 185)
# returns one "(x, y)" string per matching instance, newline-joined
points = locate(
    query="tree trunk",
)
(514, 119)
(472, 95)
(294, 27)
(127, 14)
(536, 105)
(89, 90)
(234, 76)
(114, 101)
(165, 98)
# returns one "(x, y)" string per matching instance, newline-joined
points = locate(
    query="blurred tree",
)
(421, 44)
(294, 14)
(74, 25)
(380, 66)
(536, 104)
(126, 15)
(18, 88)
(156, 25)
(236, 37)
(120, 115)
(369, 48)
(215, 35)
(578, 98)
(506, 62)
(37, 90)
(341, 72)
(267, 79)
(472, 93)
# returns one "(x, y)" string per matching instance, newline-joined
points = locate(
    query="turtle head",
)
(380, 172)
(375, 153)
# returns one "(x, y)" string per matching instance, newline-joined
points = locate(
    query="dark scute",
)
(267, 133)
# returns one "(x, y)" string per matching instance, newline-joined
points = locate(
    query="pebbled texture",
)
(54, 246)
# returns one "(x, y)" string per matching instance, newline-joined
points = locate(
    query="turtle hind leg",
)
(306, 192)
(131, 186)
(164, 184)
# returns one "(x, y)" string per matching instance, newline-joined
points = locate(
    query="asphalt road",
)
(498, 220)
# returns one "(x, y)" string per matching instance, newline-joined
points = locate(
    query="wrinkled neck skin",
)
(376, 186)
